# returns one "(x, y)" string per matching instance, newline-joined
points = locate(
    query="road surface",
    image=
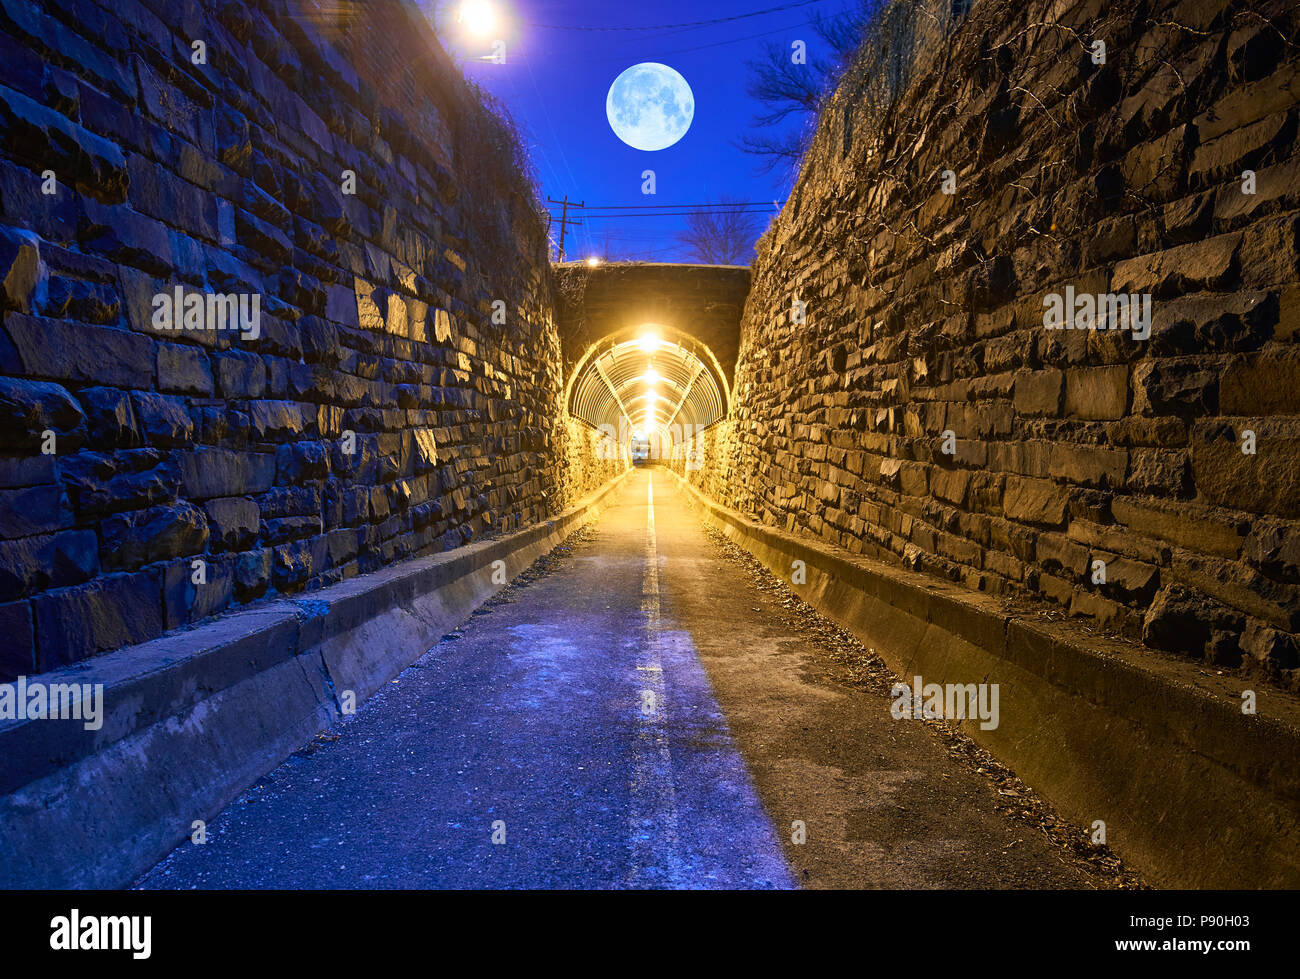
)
(641, 712)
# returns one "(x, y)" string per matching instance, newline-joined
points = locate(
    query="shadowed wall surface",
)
(376, 314)
(925, 315)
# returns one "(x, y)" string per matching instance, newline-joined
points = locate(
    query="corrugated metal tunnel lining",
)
(654, 376)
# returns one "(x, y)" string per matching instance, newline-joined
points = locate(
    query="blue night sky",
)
(556, 78)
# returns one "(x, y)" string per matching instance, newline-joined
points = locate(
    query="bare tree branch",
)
(786, 89)
(722, 234)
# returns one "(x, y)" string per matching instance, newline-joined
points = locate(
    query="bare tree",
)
(879, 41)
(721, 234)
(789, 86)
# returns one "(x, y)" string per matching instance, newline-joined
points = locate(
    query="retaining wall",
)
(401, 393)
(919, 411)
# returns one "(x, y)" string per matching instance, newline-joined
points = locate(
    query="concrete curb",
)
(1193, 792)
(192, 719)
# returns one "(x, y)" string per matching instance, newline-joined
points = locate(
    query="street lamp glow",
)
(479, 17)
(649, 342)
(593, 261)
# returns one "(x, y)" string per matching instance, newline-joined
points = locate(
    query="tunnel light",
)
(479, 17)
(651, 397)
(649, 342)
(651, 376)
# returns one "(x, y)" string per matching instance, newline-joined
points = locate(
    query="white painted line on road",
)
(652, 819)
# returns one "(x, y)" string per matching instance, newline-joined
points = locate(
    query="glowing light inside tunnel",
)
(653, 380)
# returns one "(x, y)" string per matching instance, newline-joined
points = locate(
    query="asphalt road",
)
(637, 714)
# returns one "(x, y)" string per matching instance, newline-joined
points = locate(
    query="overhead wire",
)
(686, 24)
(657, 210)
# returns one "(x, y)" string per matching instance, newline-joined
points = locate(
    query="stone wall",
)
(925, 315)
(388, 405)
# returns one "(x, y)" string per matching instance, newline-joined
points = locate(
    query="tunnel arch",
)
(654, 375)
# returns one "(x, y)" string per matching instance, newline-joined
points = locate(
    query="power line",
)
(565, 220)
(697, 47)
(693, 23)
(670, 214)
(648, 207)
(564, 158)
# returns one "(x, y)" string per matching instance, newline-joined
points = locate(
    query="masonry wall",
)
(925, 315)
(128, 453)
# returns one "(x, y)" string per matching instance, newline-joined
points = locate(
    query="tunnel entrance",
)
(651, 389)
(649, 351)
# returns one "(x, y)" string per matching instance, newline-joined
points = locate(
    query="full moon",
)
(650, 106)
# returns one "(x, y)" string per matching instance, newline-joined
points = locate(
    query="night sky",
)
(558, 71)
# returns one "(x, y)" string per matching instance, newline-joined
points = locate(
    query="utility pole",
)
(564, 219)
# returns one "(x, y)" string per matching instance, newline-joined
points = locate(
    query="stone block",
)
(110, 421)
(232, 522)
(1038, 393)
(1183, 387)
(1089, 465)
(21, 269)
(32, 510)
(1193, 528)
(126, 480)
(47, 140)
(32, 564)
(1209, 264)
(291, 565)
(107, 613)
(275, 421)
(950, 484)
(1267, 481)
(157, 534)
(164, 420)
(1264, 383)
(1129, 581)
(1036, 501)
(123, 235)
(68, 351)
(28, 409)
(240, 375)
(252, 575)
(206, 473)
(18, 651)
(184, 370)
(1061, 556)
(1098, 393)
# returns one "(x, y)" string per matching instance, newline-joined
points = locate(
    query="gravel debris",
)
(848, 662)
